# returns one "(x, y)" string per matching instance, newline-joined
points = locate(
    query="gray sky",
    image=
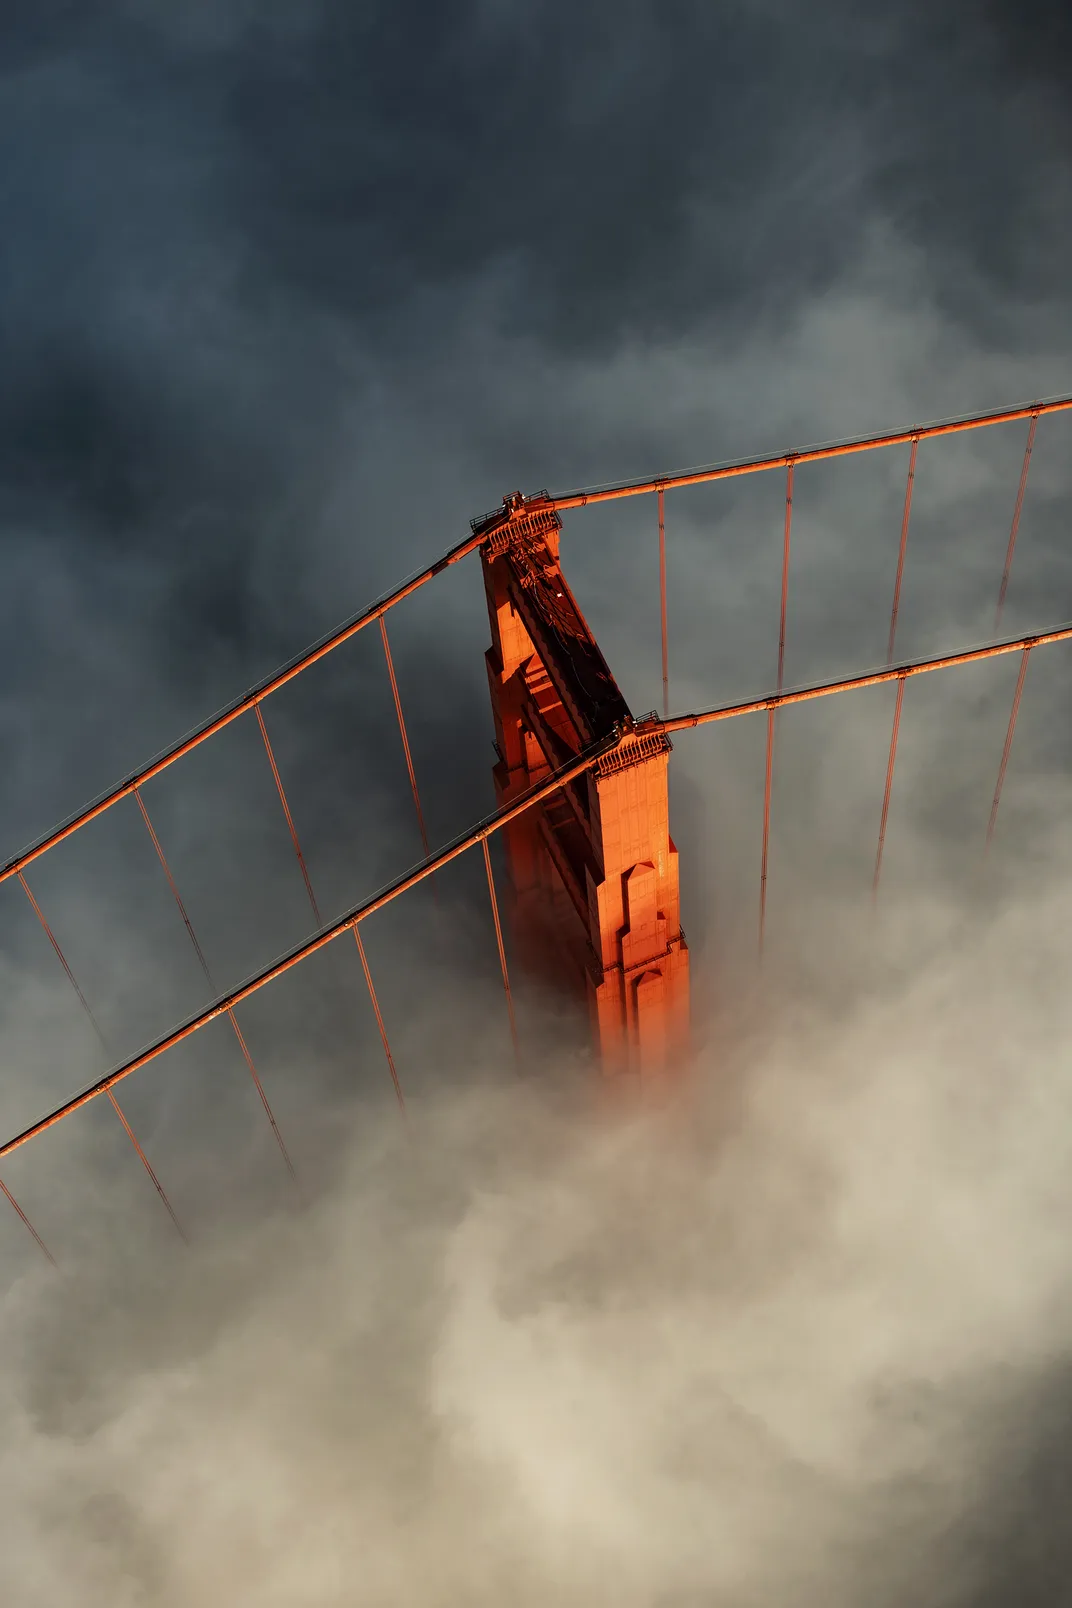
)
(288, 291)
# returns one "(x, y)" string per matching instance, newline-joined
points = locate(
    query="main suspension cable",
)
(233, 711)
(495, 823)
(870, 678)
(311, 946)
(472, 543)
(830, 449)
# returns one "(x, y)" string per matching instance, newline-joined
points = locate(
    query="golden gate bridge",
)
(580, 783)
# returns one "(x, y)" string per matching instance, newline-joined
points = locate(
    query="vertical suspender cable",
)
(768, 778)
(892, 760)
(13, 1203)
(286, 812)
(143, 1158)
(147, 1164)
(1015, 522)
(61, 957)
(175, 894)
(246, 1056)
(889, 786)
(379, 1019)
(502, 951)
(472, 544)
(785, 575)
(1007, 749)
(405, 738)
(502, 818)
(766, 829)
(259, 1086)
(662, 607)
(316, 911)
(7, 1193)
(902, 549)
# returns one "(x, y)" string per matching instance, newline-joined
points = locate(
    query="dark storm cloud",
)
(220, 222)
(633, 166)
(191, 198)
(638, 166)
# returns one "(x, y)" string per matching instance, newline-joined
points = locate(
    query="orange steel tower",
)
(593, 870)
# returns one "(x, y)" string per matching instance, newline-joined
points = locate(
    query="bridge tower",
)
(593, 871)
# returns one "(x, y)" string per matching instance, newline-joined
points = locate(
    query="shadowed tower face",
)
(593, 871)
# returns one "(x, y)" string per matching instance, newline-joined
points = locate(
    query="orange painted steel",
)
(62, 958)
(1017, 511)
(480, 537)
(13, 1203)
(233, 711)
(502, 952)
(239, 1035)
(889, 787)
(780, 460)
(662, 605)
(147, 1164)
(471, 544)
(902, 550)
(405, 738)
(503, 818)
(302, 951)
(289, 818)
(379, 1019)
(593, 885)
(1014, 712)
